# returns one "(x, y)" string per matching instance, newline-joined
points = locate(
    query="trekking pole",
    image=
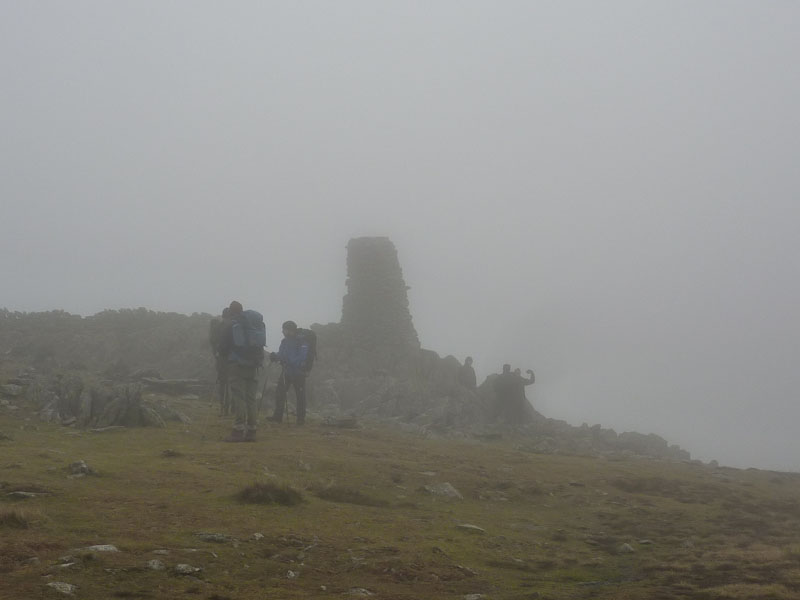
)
(288, 407)
(263, 390)
(215, 393)
(284, 385)
(266, 380)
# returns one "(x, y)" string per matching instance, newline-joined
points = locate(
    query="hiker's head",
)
(289, 329)
(226, 312)
(506, 368)
(235, 308)
(468, 361)
(517, 371)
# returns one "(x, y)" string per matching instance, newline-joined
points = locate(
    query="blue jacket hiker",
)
(293, 354)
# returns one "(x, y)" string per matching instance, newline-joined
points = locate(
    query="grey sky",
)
(604, 191)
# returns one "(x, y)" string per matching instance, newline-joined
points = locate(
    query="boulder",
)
(65, 588)
(80, 468)
(186, 569)
(443, 489)
(11, 389)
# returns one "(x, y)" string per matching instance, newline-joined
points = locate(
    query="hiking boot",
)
(250, 435)
(236, 435)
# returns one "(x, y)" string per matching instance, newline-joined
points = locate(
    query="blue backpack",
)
(249, 339)
(310, 338)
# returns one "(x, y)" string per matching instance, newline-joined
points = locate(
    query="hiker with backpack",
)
(243, 343)
(296, 355)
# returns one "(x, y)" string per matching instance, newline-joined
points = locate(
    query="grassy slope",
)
(553, 524)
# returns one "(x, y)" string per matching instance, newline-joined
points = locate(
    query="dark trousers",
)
(223, 390)
(297, 381)
(243, 392)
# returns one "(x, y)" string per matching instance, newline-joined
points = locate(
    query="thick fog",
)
(606, 192)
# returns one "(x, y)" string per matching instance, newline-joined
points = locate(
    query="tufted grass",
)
(553, 525)
(269, 493)
(17, 518)
(347, 495)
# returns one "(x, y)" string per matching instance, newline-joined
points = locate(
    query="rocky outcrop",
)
(67, 400)
(115, 343)
(370, 366)
(553, 436)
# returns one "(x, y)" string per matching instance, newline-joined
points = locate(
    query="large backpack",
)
(249, 338)
(310, 338)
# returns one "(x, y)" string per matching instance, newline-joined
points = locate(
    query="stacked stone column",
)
(375, 309)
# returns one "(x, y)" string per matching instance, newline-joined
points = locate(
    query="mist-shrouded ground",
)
(607, 193)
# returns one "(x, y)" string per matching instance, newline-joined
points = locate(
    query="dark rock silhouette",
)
(114, 343)
(375, 310)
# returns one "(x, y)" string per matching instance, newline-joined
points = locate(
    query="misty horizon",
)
(606, 194)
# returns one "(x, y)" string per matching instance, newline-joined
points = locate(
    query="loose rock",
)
(215, 538)
(184, 569)
(64, 588)
(108, 429)
(80, 468)
(23, 495)
(155, 565)
(470, 528)
(350, 422)
(102, 548)
(10, 389)
(443, 489)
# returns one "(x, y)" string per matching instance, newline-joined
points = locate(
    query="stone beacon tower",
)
(375, 309)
